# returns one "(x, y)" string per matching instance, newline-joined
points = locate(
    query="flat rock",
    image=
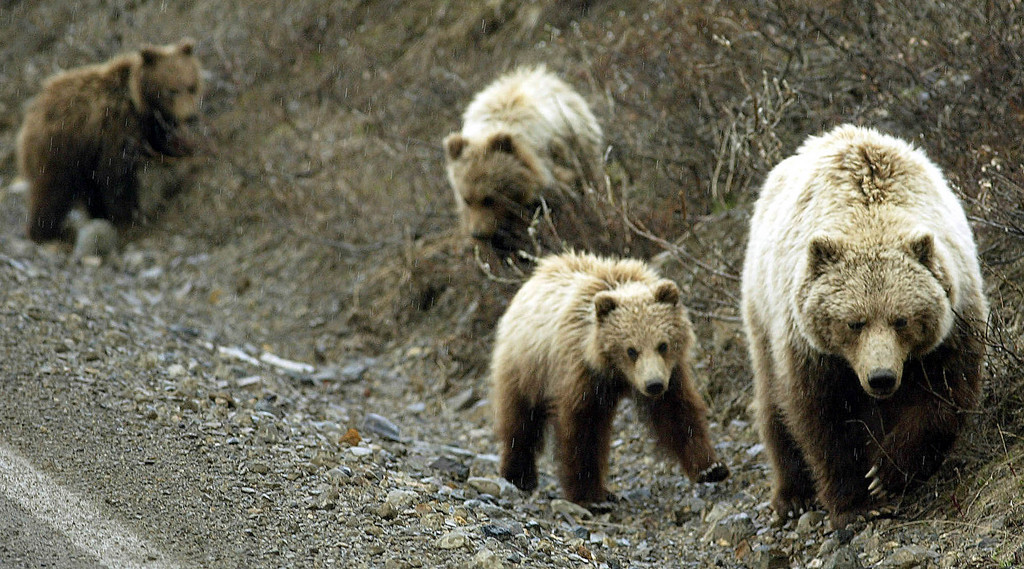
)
(452, 540)
(382, 426)
(560, 506)
(908, 557)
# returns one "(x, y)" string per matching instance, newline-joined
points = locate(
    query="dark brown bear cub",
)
(85, 134)
(580, 335)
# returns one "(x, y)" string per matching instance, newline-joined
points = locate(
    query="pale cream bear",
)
(525, 137)
(865, 317)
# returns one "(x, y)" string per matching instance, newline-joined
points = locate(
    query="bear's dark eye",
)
(857, 326)
(899, 323)
(487, 202)
(632, 353)
(662, 348)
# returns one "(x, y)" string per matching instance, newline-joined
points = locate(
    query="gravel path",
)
(226, 456)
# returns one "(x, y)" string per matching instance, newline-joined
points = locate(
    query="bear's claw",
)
(875, 487)
(714, 473)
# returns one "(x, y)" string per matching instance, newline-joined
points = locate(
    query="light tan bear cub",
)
(582, 333)
(526, 136)
(865, 318)
(86, 133)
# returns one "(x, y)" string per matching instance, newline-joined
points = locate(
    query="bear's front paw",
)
(714, 473)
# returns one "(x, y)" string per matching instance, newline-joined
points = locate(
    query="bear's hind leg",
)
(49, 203)
(584, 438)
(521, 430)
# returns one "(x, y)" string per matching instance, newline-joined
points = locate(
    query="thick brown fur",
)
(84, 135)
(528, 136)
(582, 333)
(865, 319)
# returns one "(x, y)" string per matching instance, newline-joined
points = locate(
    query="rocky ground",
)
(285, 365)
(118, 382)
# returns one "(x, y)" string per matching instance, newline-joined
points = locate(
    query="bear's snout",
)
(654, 387)
(878, 361)
(882, 382)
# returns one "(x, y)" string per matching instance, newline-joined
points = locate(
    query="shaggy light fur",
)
(864, 314)
(527, 135)
(583, 332)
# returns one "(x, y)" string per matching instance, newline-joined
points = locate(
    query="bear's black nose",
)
(882, 380)
(654, 388)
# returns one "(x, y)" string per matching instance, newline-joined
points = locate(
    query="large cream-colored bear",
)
(526, 136)
(865, 316)
(582, 333)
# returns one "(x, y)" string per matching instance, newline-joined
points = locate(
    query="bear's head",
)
(875, 306)
(167, 91)
(643, 332)
(497, 183)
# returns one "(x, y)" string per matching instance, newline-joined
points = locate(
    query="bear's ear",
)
(503, 142)
(667, 292)
(150, 54)
(454, 144)
(824, 251)
(604, 303)
(186, 45)
(922, 250)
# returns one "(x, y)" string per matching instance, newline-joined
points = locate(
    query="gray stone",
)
(382, 426)
(360, 452)
(454, 468)
(493, 486)
(327, 499)
(484, 485)
(340, 475)
(401, 498)
(95, 238)
(843, 558)
(487, 559)
(718, 512)
(909, 557)
(462, 400)
(689, 508)
(828, 547)
(733, 529)
(502, 531)
(452, 540)
(766, 557)
(559, 506)
(843, 535)
(809, 522)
